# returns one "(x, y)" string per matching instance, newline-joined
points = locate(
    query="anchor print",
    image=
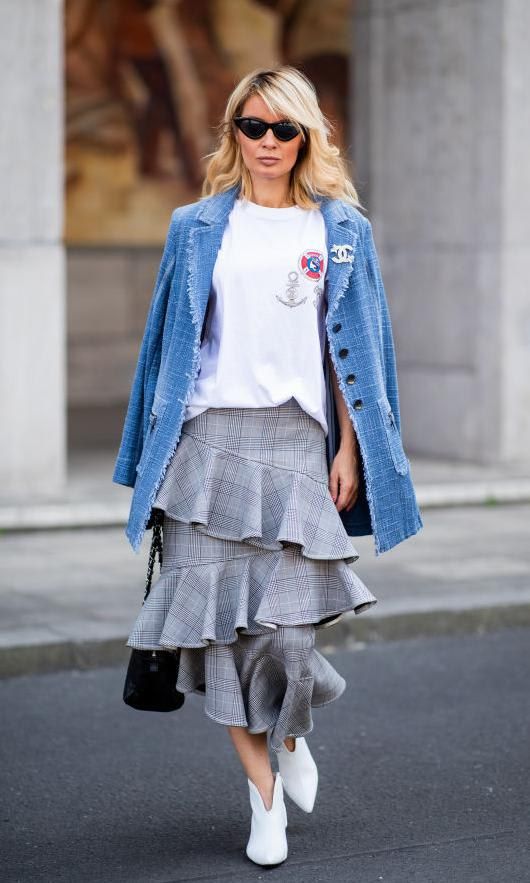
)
(291, 291)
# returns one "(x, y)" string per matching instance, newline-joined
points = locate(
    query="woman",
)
(264, 422)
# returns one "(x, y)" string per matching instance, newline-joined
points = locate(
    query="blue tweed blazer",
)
(360, 342)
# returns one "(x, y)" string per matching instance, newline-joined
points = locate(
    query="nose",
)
(268, 139)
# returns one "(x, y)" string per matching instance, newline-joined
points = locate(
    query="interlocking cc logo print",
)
(341, 253)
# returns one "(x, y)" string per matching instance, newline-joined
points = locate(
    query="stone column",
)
(442, 128)
(32, 287)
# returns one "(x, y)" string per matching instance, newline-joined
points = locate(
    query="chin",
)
(269, 173)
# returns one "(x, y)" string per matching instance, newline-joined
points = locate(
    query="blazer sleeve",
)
(386, 339)
(147, 367)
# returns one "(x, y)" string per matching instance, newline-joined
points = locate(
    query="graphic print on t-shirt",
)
(291, 298)
(311, 262)
(319, 291)
(264, 339)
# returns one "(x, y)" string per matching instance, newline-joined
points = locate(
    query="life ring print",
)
(311, 264)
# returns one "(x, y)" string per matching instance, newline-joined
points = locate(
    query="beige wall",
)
(32, 320)
(442, 128)
(109, 291)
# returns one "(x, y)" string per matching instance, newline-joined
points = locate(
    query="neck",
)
(272, 194)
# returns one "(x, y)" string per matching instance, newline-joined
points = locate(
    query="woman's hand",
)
(344, 477)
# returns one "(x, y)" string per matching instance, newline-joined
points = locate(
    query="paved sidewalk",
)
(91, 499)
(68, 598)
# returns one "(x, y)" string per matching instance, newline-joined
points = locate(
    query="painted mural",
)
(146, 83)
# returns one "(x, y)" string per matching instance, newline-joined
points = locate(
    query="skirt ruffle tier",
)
(255, 559)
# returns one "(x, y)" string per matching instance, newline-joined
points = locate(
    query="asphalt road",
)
(424, 776)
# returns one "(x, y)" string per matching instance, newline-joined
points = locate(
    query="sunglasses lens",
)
(252, 128)
(285, 131)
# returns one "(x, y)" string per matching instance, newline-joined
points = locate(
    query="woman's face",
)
(266, 158)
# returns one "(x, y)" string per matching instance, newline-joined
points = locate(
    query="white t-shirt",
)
(264, 335)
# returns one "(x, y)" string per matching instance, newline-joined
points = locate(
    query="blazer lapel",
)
(204, 242)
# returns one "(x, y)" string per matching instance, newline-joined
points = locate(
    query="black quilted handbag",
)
(152, 674)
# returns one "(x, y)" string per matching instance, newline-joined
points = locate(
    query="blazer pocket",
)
(155, 415)
(399, 458)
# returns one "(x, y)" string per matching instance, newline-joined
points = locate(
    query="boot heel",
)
(267, 844)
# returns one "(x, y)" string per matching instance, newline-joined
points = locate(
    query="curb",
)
(351, 633)
(35, 659)
(112, 513)
(354, 633)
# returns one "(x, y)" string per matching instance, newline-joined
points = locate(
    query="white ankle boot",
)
(267, 844)
(299, 774)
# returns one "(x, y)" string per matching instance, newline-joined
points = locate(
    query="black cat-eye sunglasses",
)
(255, 128)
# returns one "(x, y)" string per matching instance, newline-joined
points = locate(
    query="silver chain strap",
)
(156, 520)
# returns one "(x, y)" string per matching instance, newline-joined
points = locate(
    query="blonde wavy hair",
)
(320, 170)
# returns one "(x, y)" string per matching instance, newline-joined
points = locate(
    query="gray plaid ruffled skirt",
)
(255, 559)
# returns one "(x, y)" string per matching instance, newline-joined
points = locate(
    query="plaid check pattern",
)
(255, 560)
